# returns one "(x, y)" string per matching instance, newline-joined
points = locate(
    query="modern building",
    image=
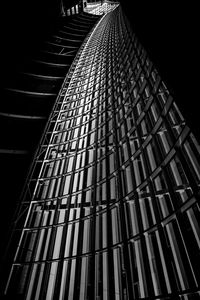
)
(33, 75)
(110, 209)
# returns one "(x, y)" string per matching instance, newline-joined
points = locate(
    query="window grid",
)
(117, 183)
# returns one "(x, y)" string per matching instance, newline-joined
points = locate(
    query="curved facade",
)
(30, 89)
(110, 209)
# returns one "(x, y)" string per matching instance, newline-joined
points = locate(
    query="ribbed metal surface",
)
(29, 91)
(111, 206)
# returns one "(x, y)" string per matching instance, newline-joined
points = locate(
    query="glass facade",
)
(110, 209)
(100, 7)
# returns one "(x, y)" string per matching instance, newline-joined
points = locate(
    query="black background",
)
(167, 29)
(169, 32)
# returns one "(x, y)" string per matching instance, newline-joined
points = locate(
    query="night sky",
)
(167, 29)
(169, 32)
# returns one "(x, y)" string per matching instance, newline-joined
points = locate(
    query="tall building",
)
(33, 76)
(110, 209)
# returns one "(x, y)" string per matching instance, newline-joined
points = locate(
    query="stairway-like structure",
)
(30, 89)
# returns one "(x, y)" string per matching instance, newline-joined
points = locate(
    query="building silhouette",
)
(110, 208)
(33, 75)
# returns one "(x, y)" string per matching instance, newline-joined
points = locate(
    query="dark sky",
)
(169, 32)
(167, 29)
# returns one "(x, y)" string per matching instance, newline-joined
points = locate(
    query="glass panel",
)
(32, 281)
(139, 169)
(104, 230)
(180, 260)
(151, 157)
(52, 279)
(66, 185)
(84, 278)
(68, 240)
(113, 189)
(117, 274)
(153, 266)
(39, 281)
(72, 279)
(193, 216)
(111, 163)
(160, 182)
(86, 236)
(105, 276)
(129, 179)
(132, 217)
(177, 172)
(141, 269)
(57, 242)
(165, 140)
(165, 204)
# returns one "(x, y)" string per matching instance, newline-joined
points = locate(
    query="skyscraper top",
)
(100, 7)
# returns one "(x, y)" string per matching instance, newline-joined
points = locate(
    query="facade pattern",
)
(29, 88)
(110, 209)
(100, 7)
